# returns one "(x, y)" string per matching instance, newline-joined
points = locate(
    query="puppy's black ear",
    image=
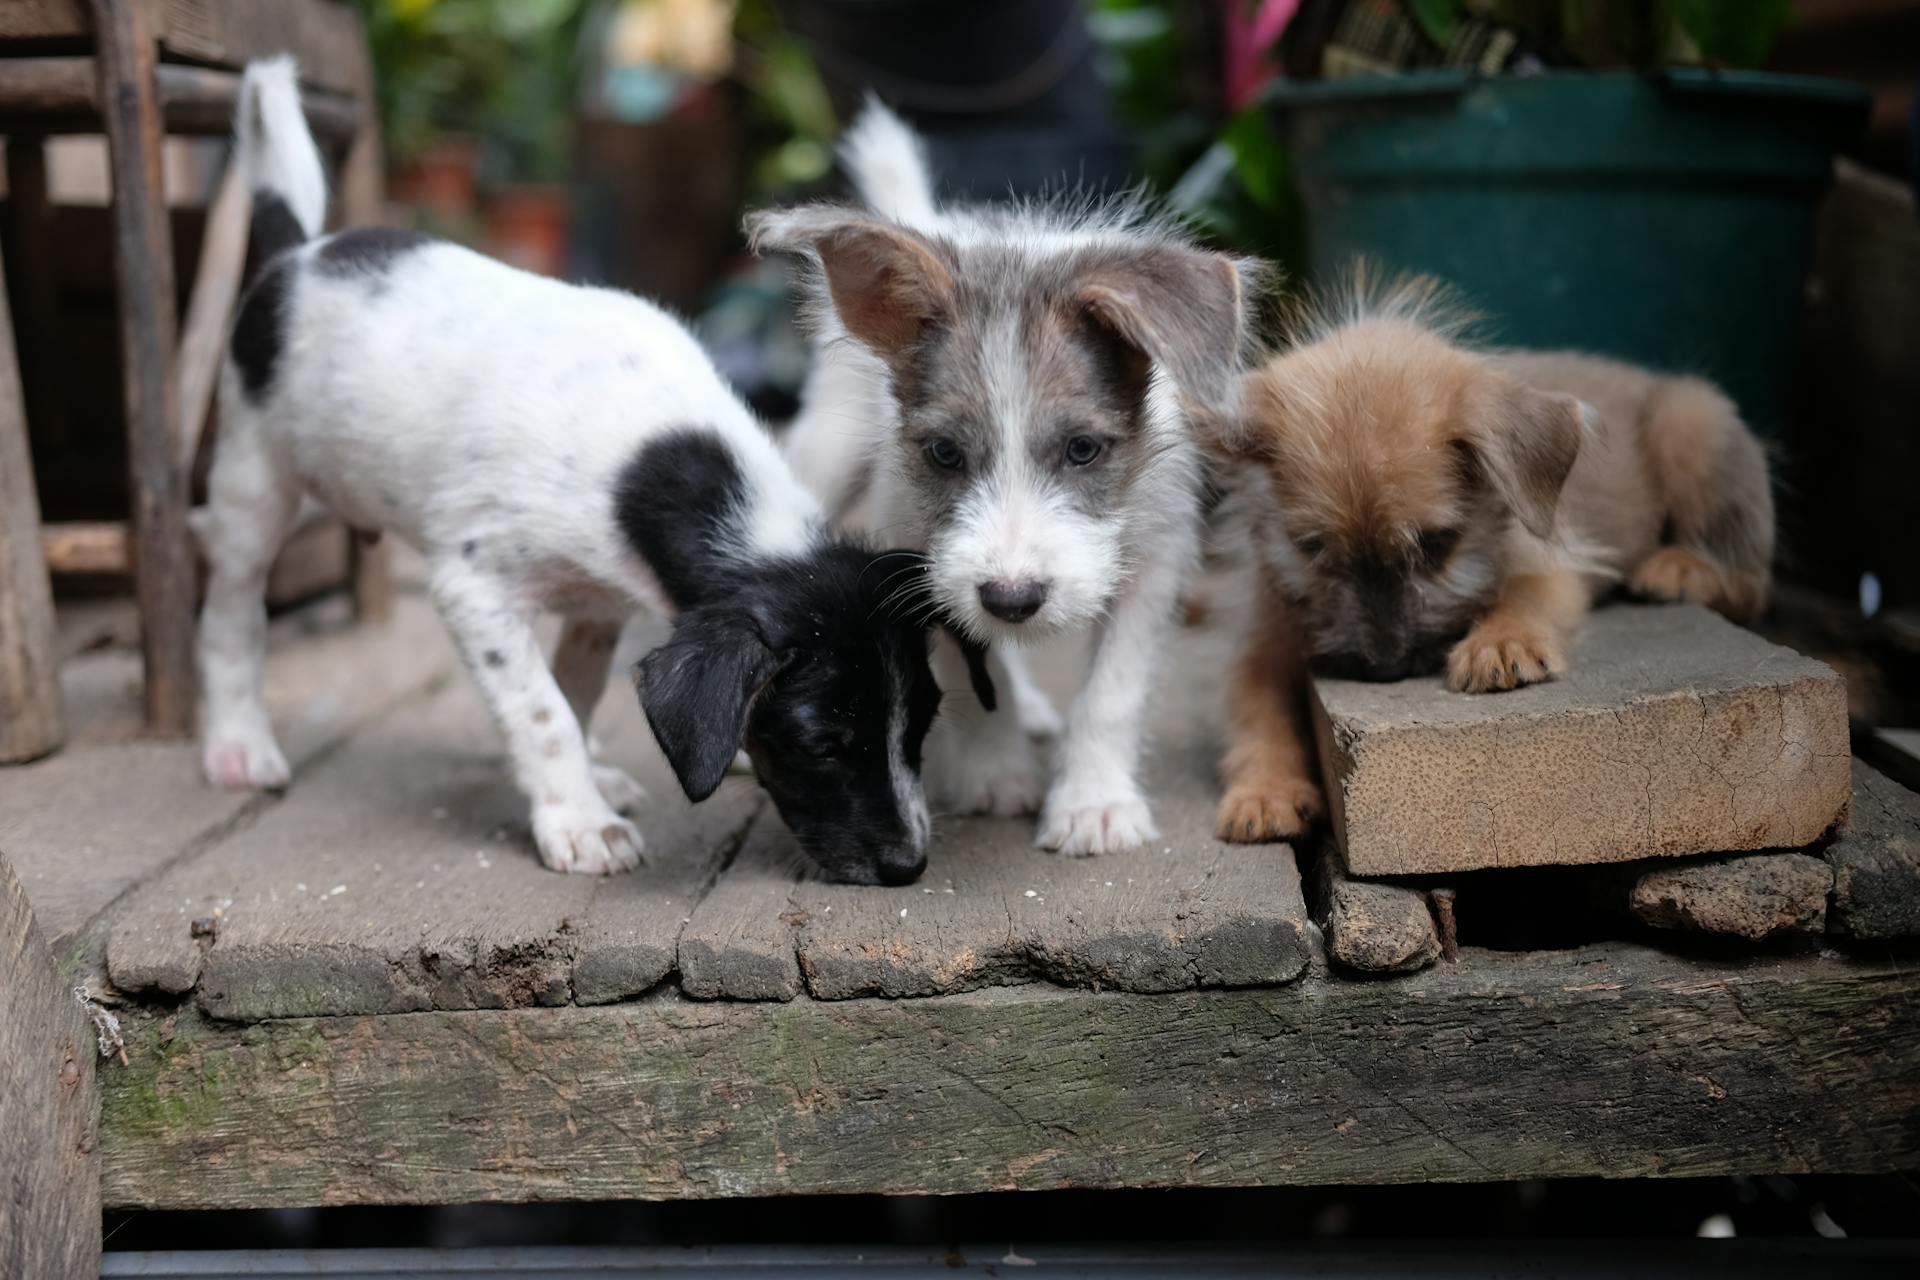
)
(1183, 309)
(977, 673)
(1525, 444)
(885, 283)
(697, 690)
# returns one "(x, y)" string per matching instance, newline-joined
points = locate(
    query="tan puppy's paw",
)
(1675, 573)
(1278, 809)
(1501, 653)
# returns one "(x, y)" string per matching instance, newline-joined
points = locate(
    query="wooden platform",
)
(369, 991)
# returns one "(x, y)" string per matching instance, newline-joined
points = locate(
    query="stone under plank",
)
(1674, 732)
(1876, 862)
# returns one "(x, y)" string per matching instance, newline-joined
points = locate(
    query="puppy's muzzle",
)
(1013, 600)
(901, 865)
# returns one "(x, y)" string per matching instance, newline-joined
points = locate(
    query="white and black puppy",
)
(552, 448)
(1012, 389)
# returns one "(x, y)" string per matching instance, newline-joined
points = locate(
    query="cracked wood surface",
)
(1674, 732)
(397, 876)
(1614, 1060)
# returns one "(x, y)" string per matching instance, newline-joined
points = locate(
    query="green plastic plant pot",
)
(1664, 219)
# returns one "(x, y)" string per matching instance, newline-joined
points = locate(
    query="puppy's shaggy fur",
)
(549, 447)
(1419, 504)
(1012, 389)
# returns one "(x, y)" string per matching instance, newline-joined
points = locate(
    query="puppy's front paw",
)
(1503, 654)
(1277, 809)
(588, 840)
(618, 788)
(1675, 573)
(1004, 785)
(1081, 820)
(243, 760)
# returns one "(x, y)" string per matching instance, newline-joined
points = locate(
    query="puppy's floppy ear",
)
(697, 690)
(1183, 309)
(1250, 432)
(1524, 443)
(887, 284)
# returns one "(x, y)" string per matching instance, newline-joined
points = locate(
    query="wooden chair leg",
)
(31, 722)
(125, 50)
(363, 203)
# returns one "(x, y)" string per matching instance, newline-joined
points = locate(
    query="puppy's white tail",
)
(888, 164)
(277, 155)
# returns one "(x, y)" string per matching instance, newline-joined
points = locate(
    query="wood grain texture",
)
(143, 270)
(62, 95)
(1614, 1061)
(399, 876)
(32, 721)
(86, 826)
(49, 1168)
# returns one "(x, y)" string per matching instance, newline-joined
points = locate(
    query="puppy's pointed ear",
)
(1182, 309)
(1524, 444)
(886, 284)
(698, 689)
(1250, 433)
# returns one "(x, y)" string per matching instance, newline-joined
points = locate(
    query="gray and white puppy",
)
(1012, 389)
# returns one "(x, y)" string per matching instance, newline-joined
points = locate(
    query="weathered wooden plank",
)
(143, 270)
(50, 1195)
(399, 876)
(32, 721)
(1876, 862)
(62, 95)
(85, 826)
(739, 943)
(1613, 1061)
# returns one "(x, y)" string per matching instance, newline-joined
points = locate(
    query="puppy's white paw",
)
(1082, 819)
(588, 840)
(1004, 784)
(243, 760)
(618, 788)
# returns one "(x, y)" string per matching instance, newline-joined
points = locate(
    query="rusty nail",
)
(1442, 900)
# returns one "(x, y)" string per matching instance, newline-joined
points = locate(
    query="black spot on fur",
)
(675, 501)
(367, 251)
(470, 548)
(259, 331)
(275, 230)
(495, 658)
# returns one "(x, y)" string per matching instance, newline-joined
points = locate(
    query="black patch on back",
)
(259, 331)
(674, 500)
(367, 251)
(275, 230)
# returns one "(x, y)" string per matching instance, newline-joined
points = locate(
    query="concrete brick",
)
(1675, 732)
(1756, 897)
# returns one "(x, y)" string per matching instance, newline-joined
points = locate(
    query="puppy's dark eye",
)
(1310, 544)
(1436, 545)
(1082, 450)
(945, 454)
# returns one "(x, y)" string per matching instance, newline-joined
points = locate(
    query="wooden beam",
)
(32, 722)
(49, 1107)
(1613, 1061)
(33, 282)
(203, 337)
(143, 269)
(62, 95)
(86, 546)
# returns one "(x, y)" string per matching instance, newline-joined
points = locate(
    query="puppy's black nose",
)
(1012, 601)
(901, 866)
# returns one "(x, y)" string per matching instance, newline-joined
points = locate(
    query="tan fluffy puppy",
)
(1417, 505)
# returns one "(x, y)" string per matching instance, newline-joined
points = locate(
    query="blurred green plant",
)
(790, 115)
(501, 71)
